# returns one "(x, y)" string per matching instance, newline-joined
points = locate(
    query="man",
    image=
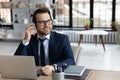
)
(57, 49)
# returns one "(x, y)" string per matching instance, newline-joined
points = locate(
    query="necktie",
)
(42, 52)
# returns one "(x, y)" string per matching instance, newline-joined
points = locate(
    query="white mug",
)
(57, 75)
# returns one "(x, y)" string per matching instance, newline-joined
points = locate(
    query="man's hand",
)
(47, 70)
(29, 31)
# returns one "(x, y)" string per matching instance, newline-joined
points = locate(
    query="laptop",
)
(18, 67)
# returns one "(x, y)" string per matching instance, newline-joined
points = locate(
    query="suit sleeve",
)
(22, 50)
(67, 53)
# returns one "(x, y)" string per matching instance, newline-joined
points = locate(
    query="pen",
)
(55, 67)
(64, 66)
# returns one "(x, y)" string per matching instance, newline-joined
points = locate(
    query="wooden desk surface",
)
(104, 75)
(96, 75)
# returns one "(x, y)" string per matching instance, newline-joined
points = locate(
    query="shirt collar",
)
(47, 37)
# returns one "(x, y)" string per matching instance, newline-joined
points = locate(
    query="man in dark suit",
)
(57, 49)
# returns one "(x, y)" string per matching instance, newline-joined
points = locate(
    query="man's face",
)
(43, 24)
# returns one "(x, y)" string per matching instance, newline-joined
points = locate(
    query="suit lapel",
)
(51, 45)
(35, 49)
(35, 45)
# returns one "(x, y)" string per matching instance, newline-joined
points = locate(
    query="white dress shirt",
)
(46, 44)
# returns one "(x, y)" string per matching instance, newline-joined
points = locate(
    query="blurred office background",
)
(69, 16)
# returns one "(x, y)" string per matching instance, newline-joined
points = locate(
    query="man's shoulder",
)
(57, 34)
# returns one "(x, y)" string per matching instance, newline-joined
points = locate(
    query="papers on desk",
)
(74, 70)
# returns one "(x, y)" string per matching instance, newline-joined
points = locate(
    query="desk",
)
(104, 75)
(95, 75)
(93, 32)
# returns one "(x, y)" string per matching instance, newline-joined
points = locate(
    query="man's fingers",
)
(30, 27)
(47, 70)
(32, 32)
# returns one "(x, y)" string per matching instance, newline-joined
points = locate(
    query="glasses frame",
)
(42, 23)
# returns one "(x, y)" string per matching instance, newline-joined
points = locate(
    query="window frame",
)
(91, 15)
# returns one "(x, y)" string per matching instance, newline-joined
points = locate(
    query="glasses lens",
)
(42, 23)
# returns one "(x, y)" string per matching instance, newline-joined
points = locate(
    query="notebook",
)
(20, 67)
(74, 70)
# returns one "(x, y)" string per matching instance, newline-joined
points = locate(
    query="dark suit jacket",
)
(59, 49)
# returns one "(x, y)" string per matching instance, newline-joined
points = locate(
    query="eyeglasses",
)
(42, 23)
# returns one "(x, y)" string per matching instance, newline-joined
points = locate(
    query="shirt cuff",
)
(25, 43)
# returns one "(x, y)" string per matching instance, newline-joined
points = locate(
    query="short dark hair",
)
(40, 10)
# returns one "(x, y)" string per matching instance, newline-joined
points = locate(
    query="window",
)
(62, 13)
(118, 11)
(80, 12)
(102, 13)
(5, 13)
